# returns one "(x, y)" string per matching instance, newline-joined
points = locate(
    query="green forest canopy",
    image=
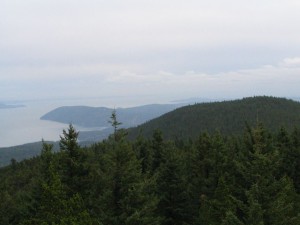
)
(250, 178)
(227, 117)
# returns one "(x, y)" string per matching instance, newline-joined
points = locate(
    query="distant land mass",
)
(228, 117)
(97, 118)
(29, 150)
(21, 152)
(90, 117)
(8, 106)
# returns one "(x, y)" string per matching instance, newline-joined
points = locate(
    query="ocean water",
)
(23, 125)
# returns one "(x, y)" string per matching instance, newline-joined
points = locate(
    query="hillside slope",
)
(22, 152)
(228, 117)
(99, 116)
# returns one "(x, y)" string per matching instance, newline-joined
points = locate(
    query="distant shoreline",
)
(5, 106)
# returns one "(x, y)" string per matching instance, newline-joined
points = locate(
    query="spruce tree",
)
(71, 161)
(174, 204)
(125, 198)
(254, 211)
(157, 148)
(285, 206)
(231, 219)
(125, 194)
(54, 206)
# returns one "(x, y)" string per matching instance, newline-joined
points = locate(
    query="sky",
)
(155, 51)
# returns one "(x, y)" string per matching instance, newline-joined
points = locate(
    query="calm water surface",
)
(23, 125)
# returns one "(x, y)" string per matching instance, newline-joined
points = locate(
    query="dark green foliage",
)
(144, 154)
(71, 162)
(215, 179)
(289, 156)
(228, 117)
(254, 214)
(157, 150)
(22, 152)
(173, 206)
(125, 197)
(231, 219)
(68, 141)
(284, 208)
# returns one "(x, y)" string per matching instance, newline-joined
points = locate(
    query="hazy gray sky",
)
(158, 50)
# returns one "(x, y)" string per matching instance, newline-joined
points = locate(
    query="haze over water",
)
(23, 125)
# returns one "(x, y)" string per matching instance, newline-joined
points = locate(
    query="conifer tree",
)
(125, 198)
(231, 219)
(284, 209)
(54, 206)
(71, 164)
(174, 204)
(144, 154)
(254, 213)
(289, 156)
(68, 141)
(7, 208)
(214, 210)
(198, 171)
(118, 134)
(157, 147)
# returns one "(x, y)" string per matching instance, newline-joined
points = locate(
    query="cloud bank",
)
(102, 81)
(158, 50)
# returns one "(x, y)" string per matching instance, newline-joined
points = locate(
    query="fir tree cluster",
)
(247, 179)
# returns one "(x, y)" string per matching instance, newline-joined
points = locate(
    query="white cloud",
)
(291, 62)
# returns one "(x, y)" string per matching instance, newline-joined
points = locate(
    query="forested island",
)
(86, 116)
(251, 177)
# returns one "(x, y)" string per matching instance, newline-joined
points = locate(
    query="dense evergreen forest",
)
(252, 178)
(20, 152)
(227, 117)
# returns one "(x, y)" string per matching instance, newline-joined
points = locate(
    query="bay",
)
(23, 125)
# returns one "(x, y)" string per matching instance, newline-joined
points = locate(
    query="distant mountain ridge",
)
(228, 117)
(86, 116)
(9, 106)
(93, 117)
(21, 152)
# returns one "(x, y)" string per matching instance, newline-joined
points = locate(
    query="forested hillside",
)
(21, 152)
(248, 179)
(98, 116)
(228, 117)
